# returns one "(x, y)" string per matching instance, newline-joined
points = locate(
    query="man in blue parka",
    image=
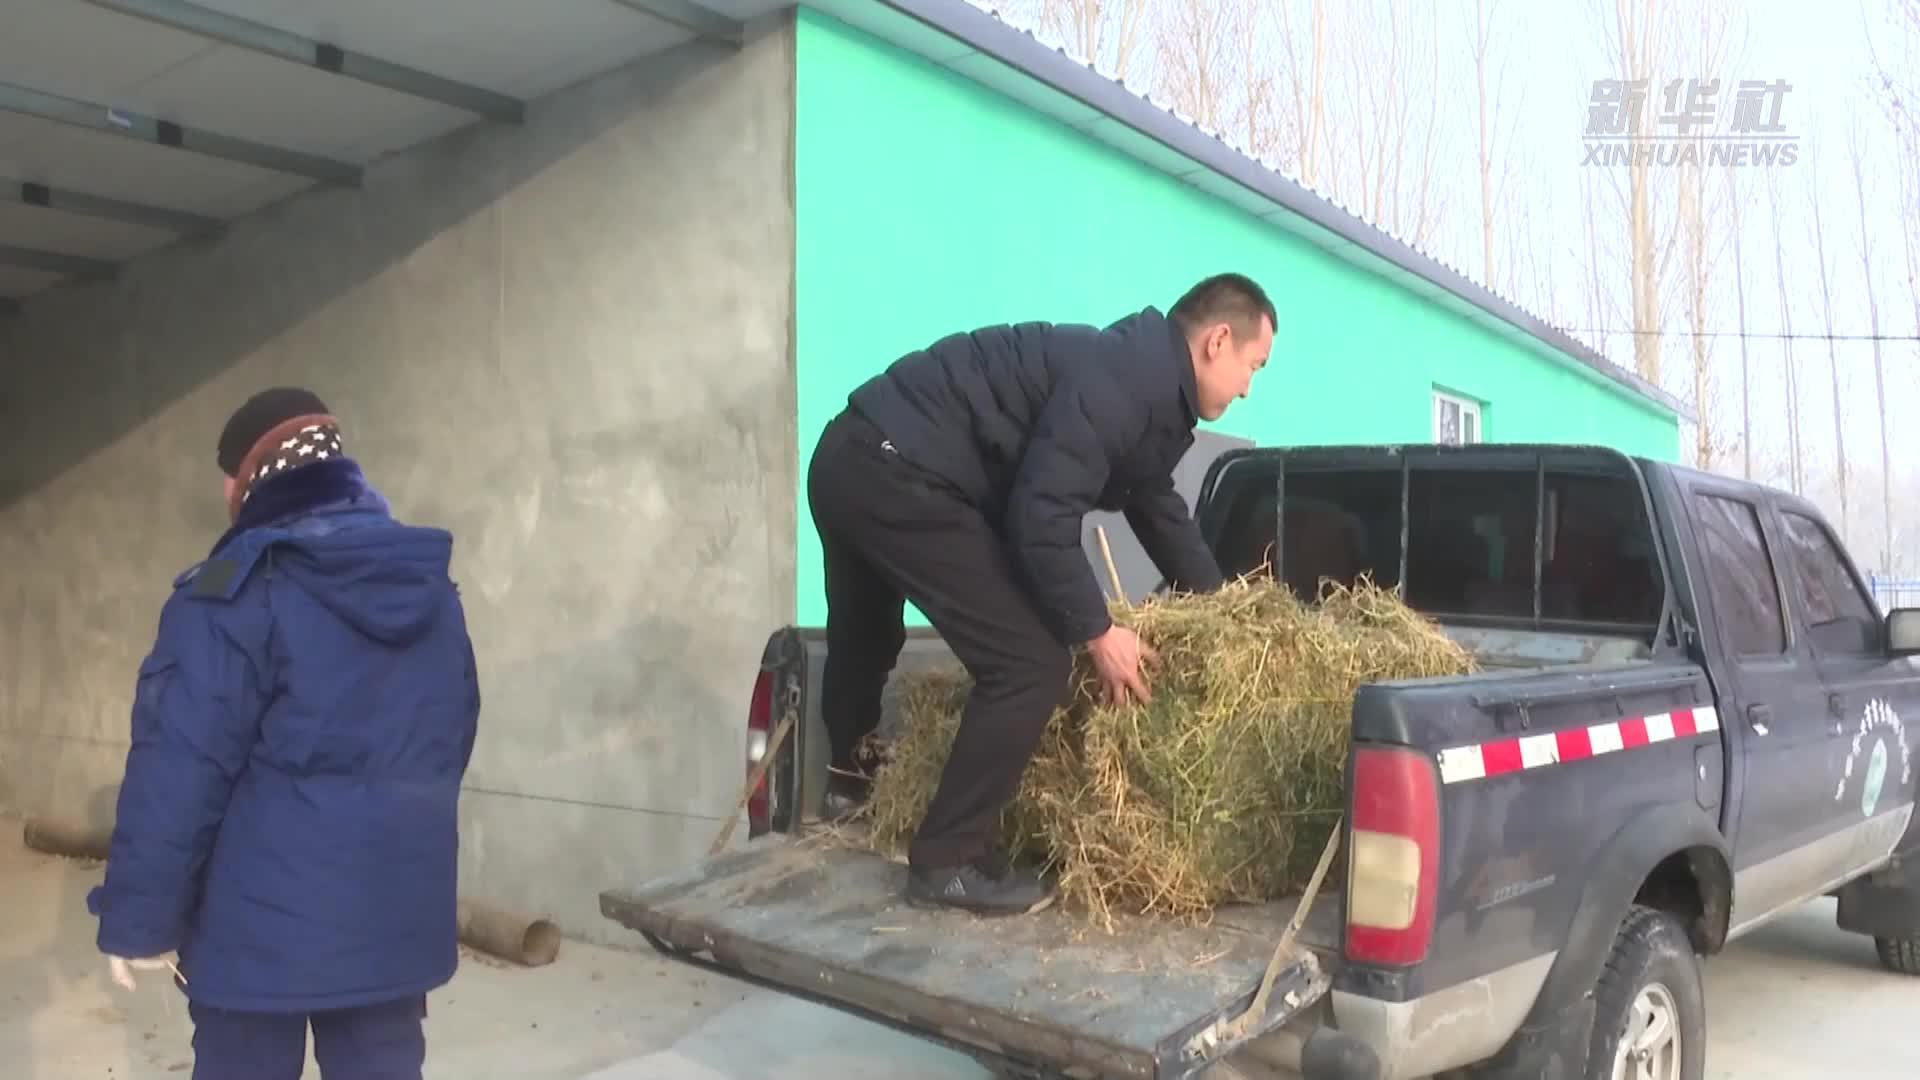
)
(287, 826)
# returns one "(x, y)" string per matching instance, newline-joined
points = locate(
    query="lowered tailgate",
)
(1049, 992)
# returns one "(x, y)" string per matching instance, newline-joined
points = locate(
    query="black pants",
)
(374, 1042)
(890, 532)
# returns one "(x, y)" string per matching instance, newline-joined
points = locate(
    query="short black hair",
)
(1234, 299)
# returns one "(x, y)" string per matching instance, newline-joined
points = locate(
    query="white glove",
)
(122, 968)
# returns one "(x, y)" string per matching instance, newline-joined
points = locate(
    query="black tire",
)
(1899, 955)
(1651, 956)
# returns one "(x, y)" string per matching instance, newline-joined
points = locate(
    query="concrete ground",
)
(1799, 999)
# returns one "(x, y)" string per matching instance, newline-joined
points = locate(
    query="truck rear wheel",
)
(1650, 1016)
(1901, 955)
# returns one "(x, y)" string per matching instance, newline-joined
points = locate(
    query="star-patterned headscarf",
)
(276, 431)
(313, 442)
(287, 446)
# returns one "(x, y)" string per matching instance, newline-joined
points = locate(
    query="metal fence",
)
(1892, 592)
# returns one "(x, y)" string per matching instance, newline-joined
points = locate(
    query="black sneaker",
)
(979, 887)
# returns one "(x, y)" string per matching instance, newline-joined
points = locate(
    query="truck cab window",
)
(1340, 525)
(1840, 618)
(1470, 540)
(1740, 575)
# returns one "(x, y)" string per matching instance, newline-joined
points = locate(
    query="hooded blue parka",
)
(288, 818)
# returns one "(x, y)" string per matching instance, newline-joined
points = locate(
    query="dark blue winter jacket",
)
(1037, 424)
(300, 730)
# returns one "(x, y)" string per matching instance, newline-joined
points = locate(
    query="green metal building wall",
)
(927, 203)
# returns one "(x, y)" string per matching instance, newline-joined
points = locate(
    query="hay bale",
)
(1225, 787)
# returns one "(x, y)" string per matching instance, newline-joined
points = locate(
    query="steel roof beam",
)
(46, 196)
(53, 262)
(131, 125)
(272, 41)
(691, 17)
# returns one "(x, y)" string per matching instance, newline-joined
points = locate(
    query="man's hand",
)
(122, 968)
(1118, 655)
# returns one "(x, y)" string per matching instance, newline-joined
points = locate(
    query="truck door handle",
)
(1758, 717)
(1836, 711)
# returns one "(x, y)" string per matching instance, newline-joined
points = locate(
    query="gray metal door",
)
(1137, 572)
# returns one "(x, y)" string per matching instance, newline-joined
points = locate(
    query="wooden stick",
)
(753, 781)
(1283, 951)
(1119, 591)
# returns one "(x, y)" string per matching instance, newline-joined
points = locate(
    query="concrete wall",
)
(568, 342)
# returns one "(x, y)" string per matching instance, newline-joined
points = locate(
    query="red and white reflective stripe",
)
(1460, 764)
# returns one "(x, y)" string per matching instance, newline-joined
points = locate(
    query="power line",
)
(1750, 335)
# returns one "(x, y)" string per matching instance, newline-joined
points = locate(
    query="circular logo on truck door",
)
(1876, 776)
(1879, 723)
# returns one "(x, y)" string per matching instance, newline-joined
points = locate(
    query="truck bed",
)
(1051, 992)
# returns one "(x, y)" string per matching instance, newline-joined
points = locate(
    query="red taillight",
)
(759, 729)
(1393, 863)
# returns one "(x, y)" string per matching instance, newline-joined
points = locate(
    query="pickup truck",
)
(1690, 717)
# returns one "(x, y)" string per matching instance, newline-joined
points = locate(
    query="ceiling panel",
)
(269, 188)
(528, 49)
(77, 50)
(74, 234)
(101, 164)
(389, 29)
(490, 43)
(14, 130)
(239, 92)
(16, 283)
(627, 37)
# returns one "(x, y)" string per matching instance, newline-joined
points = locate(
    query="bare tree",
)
(1899, 77)
(1377, 91)
(1198, 57)
(1833, 355)
(1097, 28)
(1873, 324)
(1697, 236)
(1734, 195)
(1632, 30)
(1265, 123)
(1795, 466)
(1426, 212)
(1378, 70)
(1702, 239)
(1531, 260)
(1600, 309)
(1899, 85)
(1910, 225)
(1493, 156)
(1309, 81)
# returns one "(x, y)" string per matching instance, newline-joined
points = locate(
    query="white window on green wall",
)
(1456, 420)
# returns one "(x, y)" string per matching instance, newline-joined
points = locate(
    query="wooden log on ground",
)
(72, 839)
(529, 942)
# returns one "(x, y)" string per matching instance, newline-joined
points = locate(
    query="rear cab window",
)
(1471, 525)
